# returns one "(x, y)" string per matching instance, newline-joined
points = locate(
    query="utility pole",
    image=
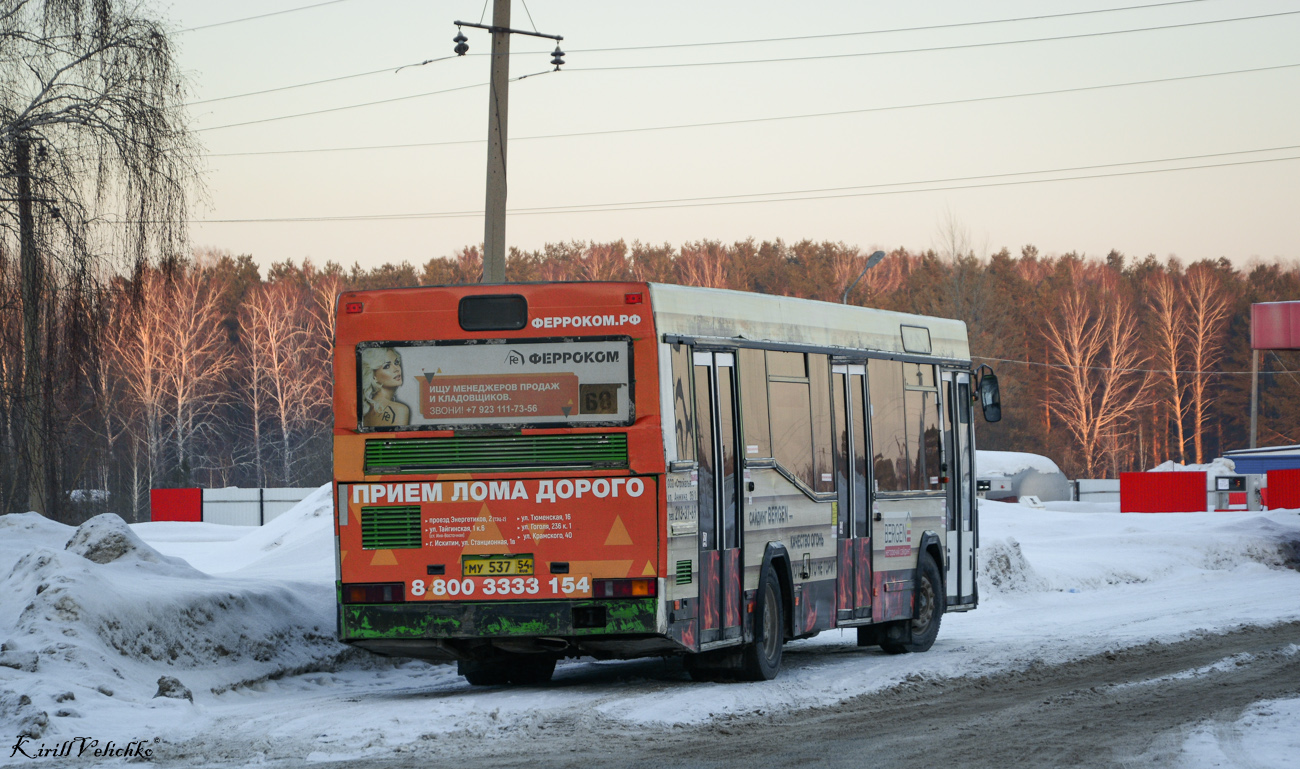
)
(1254, 398)
(494, 225)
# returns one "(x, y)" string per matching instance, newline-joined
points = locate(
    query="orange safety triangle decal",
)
(383, 558)
(649, 570)
(618, 534)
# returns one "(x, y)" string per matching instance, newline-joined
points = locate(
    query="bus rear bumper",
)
(465, 630)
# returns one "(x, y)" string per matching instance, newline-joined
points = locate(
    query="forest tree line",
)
(210, 372)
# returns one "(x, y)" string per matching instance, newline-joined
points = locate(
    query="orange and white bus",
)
(528, 472)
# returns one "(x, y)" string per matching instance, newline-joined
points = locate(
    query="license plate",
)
(496, 565)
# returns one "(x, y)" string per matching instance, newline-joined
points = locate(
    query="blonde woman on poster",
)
(381, 375)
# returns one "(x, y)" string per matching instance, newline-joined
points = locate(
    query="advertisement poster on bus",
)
(404, 385)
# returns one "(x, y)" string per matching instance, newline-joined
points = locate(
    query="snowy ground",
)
(95, 621)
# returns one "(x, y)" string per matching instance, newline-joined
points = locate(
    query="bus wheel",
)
(930, 602)
(530, 670)
(493, 672)
(763, 657)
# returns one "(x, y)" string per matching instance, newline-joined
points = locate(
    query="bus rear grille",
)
(683, 572)
(509, 452)
(390, 528)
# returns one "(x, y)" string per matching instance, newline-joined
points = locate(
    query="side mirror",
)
(990, 396)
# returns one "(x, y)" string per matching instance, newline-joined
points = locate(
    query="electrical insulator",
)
(557, 57)
(460, 39)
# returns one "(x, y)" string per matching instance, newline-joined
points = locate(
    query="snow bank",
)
(1007, 463)
(1089, 551)
(1220, 466)
(1006, 569)
(1024, 475)
(96, 612)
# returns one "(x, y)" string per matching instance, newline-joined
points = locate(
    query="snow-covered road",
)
(242, 619)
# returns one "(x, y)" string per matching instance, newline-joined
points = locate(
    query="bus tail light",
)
(633, 298)
(384, 592)
(353, 307)
(623, 588)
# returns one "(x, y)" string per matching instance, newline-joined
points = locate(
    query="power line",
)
(319, 82)
(892, 30)
(264, 15)
(767, 61)
(732, 200)
(952, 180)
(367, 104)
(964, 46)
(741, 121)
(1128, 370)
(791, 196)
(715, 43)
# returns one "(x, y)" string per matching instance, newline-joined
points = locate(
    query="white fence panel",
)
(232, 507)
(1097, 490)
(276, 502)
(249, 507)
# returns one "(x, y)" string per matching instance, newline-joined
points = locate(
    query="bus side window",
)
(888, 430)
(752, 368)
(819, 373)
(683, 413)
(923, 442)
(791, 414)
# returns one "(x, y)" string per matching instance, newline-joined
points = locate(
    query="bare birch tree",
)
(704, 264)
(283, 358)
(1097, 388)
(138, 354)
(1208, 313)
(198, 362)
(1168, 343)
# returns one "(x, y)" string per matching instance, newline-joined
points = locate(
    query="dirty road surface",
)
(1132, 707)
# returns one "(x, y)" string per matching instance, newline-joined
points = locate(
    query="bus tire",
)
(762, 661)
(491, 672)
(532, 670)
(930, 605)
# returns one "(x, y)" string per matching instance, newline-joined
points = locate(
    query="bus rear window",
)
(493, 313)
(432, 385)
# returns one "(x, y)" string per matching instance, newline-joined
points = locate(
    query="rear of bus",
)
(498, 475)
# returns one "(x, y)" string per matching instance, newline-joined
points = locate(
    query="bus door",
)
(853, 522)
(719, 496)
(961, 522)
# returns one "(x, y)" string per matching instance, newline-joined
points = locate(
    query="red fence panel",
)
(1284, 489)
(1162, 492)
(176, 505)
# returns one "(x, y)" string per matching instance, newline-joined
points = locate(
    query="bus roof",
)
(688, 311)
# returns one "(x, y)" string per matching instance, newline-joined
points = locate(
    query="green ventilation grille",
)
(507, 452)
(683, 572)
(390, 528)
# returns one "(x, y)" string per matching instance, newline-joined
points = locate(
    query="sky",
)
(881, 125)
